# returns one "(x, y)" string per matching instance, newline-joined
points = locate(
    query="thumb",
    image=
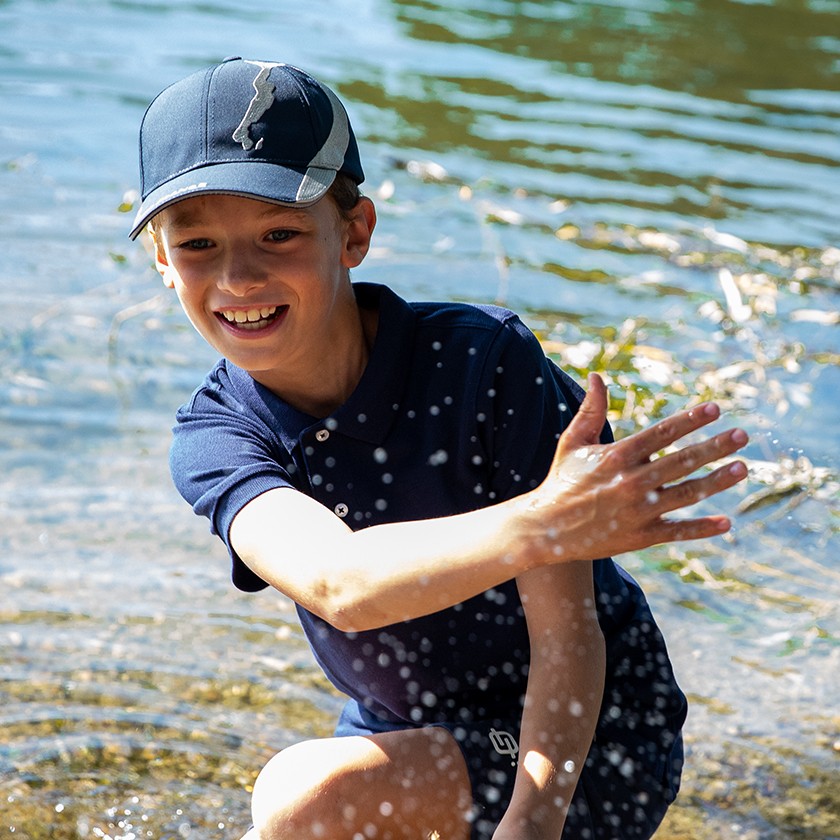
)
(585, 428)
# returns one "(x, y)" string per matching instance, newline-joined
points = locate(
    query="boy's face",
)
(267, 286)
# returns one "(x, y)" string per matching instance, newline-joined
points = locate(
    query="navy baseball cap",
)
(258, 129)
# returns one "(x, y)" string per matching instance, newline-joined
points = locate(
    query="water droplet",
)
(438, 458)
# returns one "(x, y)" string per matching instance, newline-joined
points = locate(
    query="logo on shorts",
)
(504, 744)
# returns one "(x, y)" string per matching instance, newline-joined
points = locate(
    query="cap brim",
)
(250, 179)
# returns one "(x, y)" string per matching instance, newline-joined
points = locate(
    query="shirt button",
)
(341, 510)
(321, 435)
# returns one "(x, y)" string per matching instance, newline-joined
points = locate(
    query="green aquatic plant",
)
(759, 790)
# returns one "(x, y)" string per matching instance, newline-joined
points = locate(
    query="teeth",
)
(240, 316)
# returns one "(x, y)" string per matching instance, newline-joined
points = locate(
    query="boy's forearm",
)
(385, 574)
(554, 741)
(563, 701)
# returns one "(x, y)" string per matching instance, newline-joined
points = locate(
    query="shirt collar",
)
(372, 407)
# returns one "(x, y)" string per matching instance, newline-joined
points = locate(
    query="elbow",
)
(351, 619)
(342, 617)
(345, 607)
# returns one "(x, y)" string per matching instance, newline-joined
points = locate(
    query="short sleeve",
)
(222, 457)
(531, 403)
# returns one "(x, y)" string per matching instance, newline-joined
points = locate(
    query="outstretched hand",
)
(603, 499)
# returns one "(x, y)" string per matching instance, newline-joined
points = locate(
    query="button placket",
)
(321, 436)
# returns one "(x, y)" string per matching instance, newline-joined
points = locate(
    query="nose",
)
(240, 274)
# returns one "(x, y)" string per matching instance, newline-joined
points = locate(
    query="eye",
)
(195, 244)
(281, 235)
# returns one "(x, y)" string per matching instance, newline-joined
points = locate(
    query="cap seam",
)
(205, 140)
(304, 100)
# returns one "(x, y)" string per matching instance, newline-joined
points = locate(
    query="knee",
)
(297, 796)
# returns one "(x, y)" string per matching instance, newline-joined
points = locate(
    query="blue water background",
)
(594, 165)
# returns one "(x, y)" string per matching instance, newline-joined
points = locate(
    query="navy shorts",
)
(622, 794)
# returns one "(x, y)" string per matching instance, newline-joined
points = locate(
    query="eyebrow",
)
(185, 217)
(285, 210)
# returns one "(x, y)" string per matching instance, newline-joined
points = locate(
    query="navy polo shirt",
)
(457, 409)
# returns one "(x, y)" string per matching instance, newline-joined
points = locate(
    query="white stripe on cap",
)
(330, 158)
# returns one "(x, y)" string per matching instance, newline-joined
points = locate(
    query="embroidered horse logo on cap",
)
(262, 100)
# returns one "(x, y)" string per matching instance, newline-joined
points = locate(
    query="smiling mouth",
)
(251, 319)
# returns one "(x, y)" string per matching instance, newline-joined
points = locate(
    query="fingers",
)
(661, 435)
(676, 530)
(687, 493)
(586, 425)
(679, 464)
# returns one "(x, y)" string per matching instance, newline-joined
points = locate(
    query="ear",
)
(362, 221)
(161, 260)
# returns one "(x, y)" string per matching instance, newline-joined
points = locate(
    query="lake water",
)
(653, 185)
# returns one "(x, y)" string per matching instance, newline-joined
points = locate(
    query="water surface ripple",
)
(653, 184)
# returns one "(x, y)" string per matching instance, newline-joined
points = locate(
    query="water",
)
(652, 184)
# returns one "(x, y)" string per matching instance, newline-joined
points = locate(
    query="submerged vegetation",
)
(766, 790)
(139, 787)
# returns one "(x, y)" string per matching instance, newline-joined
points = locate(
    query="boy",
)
(398, 471)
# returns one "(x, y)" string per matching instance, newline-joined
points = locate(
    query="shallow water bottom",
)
(127, 779)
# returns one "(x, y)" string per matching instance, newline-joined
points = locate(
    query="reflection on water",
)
(653, 184)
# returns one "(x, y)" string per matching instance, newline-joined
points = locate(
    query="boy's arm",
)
(597, 501)
(562, 702)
